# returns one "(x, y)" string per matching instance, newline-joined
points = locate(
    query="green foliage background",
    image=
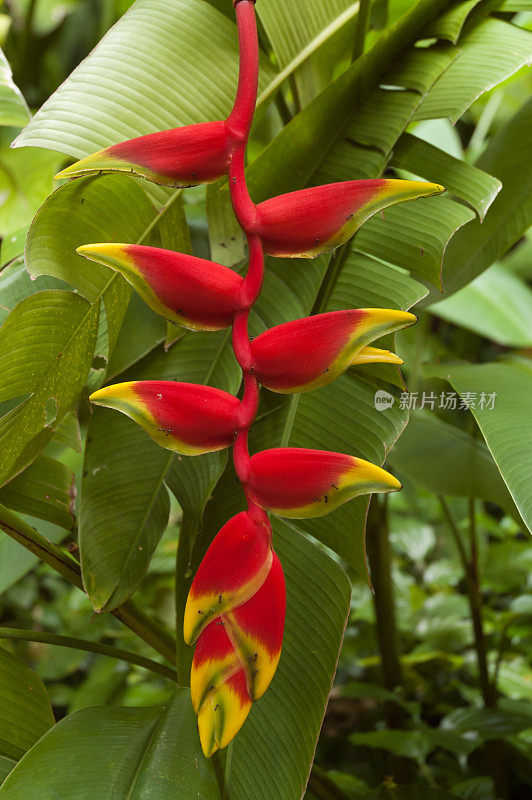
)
(432, 697)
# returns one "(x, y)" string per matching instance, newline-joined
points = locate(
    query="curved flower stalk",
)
(236, 606)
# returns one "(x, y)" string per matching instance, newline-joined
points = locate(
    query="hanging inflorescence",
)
(236, 606)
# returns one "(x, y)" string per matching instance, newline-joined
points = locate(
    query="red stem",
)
(239, 122)
(240, 119)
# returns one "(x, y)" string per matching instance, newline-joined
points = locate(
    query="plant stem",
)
(361, 28)
(494, 751)
(379, 559)
(90, 647)
(471, 573)
(146, 628)
(475, 602)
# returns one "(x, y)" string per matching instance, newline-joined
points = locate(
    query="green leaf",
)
(447, 460)
(25, 710)
(479, 245)
(124, 502)
(15, 560)
(26, 179)
(164, 78)
(45, 490)
(449, 25)
(46, 349)
(497, 305)
(112, 753)
(283, 726)
(488, 723)
(16, 285)
(6, 765)
(124, 507)
(109, 209)
(490, 52)
(470, 183)
(414, 235)
(408, 744)
(505, 427)
(13, 108)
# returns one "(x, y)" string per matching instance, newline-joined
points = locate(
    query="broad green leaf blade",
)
(108, 209)
(13, 108)
(26, 180)
(45, 490)
(515, 5)
(289, 161)
(68, 433)
(124, 501)
(15, 560)
(497, 304)
(25, 710)
(111, 753)
(414, 235)
(491, 52)
(16, 285)
(292, 26)
(164, 78)
(479, 245)
(46, 349)
(449, 25)
(6, 765)
(470, 183)
(124, 507)
(505, 427)
(448, 461)
(284, 725)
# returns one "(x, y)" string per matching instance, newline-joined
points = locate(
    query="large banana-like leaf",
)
(447, 460)
(503, 419)
(110, 753)
(177, 66)
(159, 750)
(122, 462)
(46, 351)
(13, 108)
(478, 245)
(45, 490)
(25, 711)
(497, 304)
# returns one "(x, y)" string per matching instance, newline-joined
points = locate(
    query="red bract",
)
(185, 156)
(234, 567)
(306, 353)
(185, 417)
(294, 482)
(189, 291)
(240, 648)
(312, 221)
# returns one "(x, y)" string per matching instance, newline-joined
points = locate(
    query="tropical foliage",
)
(431, 695)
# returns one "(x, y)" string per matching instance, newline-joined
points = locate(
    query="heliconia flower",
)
(234, 567)
(235, 659)
(312, 221)
(186, 156)
(248, 638)
(223, 714)
(192, 292)
(185, 417)
(295, 482)
(311, 352)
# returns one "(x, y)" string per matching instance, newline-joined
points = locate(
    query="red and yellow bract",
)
(307, 353)
(189, 418)
(189, 291)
